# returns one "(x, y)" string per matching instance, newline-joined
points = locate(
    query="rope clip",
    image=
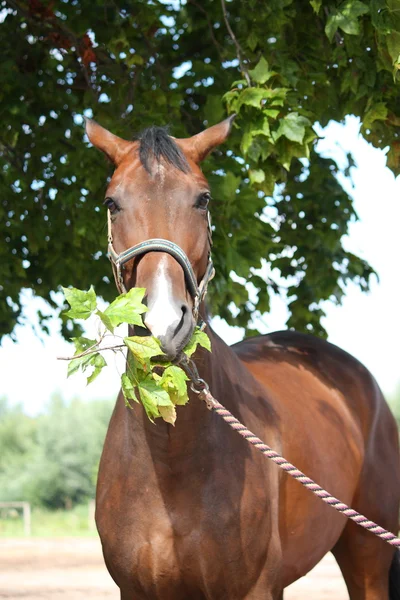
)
(208, 398)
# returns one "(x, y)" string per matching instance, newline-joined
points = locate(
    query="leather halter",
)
(197, 291)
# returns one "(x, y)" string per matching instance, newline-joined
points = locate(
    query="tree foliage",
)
(52, 459)
(282, 65)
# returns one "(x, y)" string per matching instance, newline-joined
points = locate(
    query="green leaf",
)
(126, 308)
(173, 381)
(231, 100)
(98, 362)
(105, 320)
(134, 59)
(268, 185)
(393, 158)
(261, 73)
(271, 112)
(346, 19)
(143, 348)
(94, 359)
(289, 150)
(214, 110)
(378, 112)
(228, 185)
(81, 344)
(277, 96)
(354, 8)
(258, 127)
(247, 139)
(149, 403)
(393, 46)
(153, 396)
(256, 175)
(198, 338)
(316, 4)
(82, 303)
(252, 41)
(74, 365)
(168, 413)
(262, 127)
(331, 26)
(252, 97)
(293, 127)
(128, 389)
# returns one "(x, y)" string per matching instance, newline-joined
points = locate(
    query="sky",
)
(366, 325)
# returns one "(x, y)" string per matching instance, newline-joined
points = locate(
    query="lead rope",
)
(200, 387)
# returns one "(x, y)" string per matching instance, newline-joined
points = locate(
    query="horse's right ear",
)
(112, 145)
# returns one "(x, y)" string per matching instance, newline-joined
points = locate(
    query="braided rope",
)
(341, 507)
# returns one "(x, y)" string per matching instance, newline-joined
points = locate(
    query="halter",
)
(197, 291)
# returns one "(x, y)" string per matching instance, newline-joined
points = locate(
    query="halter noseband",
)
(197, 291)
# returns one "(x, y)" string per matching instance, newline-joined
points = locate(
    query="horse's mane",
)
(156, 143)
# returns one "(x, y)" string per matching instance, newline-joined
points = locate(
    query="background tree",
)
(282, 65)
(52, 459)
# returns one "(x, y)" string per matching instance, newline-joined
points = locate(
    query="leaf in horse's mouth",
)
(151, 377)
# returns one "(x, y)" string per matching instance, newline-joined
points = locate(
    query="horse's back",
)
(288, 359)
(336, 427)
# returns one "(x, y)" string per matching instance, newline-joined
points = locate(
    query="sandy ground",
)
(73, 569)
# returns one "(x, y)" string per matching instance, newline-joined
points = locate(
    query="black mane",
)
(156, 143)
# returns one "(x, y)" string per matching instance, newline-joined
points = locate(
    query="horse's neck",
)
(219, 368)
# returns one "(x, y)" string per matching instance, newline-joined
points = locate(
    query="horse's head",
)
(159, 237)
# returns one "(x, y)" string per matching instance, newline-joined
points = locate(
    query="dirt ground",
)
(73, 569)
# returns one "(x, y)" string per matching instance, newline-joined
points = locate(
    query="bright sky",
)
(366, 325)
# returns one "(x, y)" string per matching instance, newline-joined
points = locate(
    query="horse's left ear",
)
(198, 146)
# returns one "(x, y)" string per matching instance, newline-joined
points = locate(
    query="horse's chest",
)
(190, 542)
(163, 564)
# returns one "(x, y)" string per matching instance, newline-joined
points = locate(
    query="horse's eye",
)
(203, 200)
(111, 205)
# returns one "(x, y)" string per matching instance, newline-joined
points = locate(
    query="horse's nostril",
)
(171, 323)
(181, 323)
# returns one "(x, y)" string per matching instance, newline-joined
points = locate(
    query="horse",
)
(193, 511)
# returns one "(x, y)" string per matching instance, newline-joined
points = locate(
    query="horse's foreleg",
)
(266, 590)
(128, 596)
(364, 561)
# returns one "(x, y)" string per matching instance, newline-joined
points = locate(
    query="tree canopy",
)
(281, 65)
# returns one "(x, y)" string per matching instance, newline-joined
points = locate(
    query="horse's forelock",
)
(156, 143)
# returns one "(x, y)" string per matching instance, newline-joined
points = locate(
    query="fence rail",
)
(26, 513)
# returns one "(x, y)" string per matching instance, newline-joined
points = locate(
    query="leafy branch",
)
(92, 351)
(239, 51)
(159, 393)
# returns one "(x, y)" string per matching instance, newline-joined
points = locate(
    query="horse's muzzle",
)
(177, 334)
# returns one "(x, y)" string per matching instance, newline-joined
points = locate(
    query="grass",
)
(49, 523)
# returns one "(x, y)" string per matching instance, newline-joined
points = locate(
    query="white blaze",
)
(163, 312)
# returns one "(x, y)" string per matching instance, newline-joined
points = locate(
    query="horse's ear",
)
(112, 145)
(203, 143)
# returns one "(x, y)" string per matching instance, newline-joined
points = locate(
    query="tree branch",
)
(239, 51)
(217, 45)
(90, 351)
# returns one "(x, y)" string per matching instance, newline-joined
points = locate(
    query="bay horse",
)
(192, 511)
